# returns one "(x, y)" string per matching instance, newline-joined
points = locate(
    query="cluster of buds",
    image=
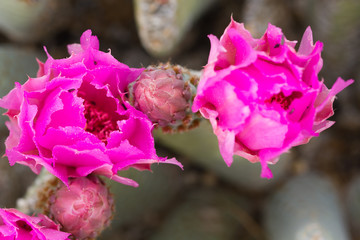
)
(165, 94)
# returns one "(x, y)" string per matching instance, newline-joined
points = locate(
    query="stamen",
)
(98, 122)
(284, 102)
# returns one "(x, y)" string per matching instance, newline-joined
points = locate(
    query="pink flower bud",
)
(162, 94)
(84, 208)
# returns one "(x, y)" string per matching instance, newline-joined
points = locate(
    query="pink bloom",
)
(16, 225)
(84, 208)
(262, 96)
(74, 119)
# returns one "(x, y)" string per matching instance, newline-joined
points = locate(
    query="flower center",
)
(98, 122)
(23, 225)
(284, 102)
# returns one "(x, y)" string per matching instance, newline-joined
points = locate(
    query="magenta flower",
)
(74, 119)
(84, 208)
(16, 225)
(262, 96)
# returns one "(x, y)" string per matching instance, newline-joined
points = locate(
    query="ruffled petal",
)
(262, 96)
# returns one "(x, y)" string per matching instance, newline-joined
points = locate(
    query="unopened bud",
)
(84, 208)
(164, 94)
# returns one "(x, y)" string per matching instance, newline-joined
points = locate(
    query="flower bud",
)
(84, 208)
(164, 94)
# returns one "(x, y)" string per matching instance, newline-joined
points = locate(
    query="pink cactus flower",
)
(74, 118)
(84, 208)
(161, 94)
(19, 226)
(262, 96)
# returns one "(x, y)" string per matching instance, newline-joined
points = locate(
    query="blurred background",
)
(315, 192)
